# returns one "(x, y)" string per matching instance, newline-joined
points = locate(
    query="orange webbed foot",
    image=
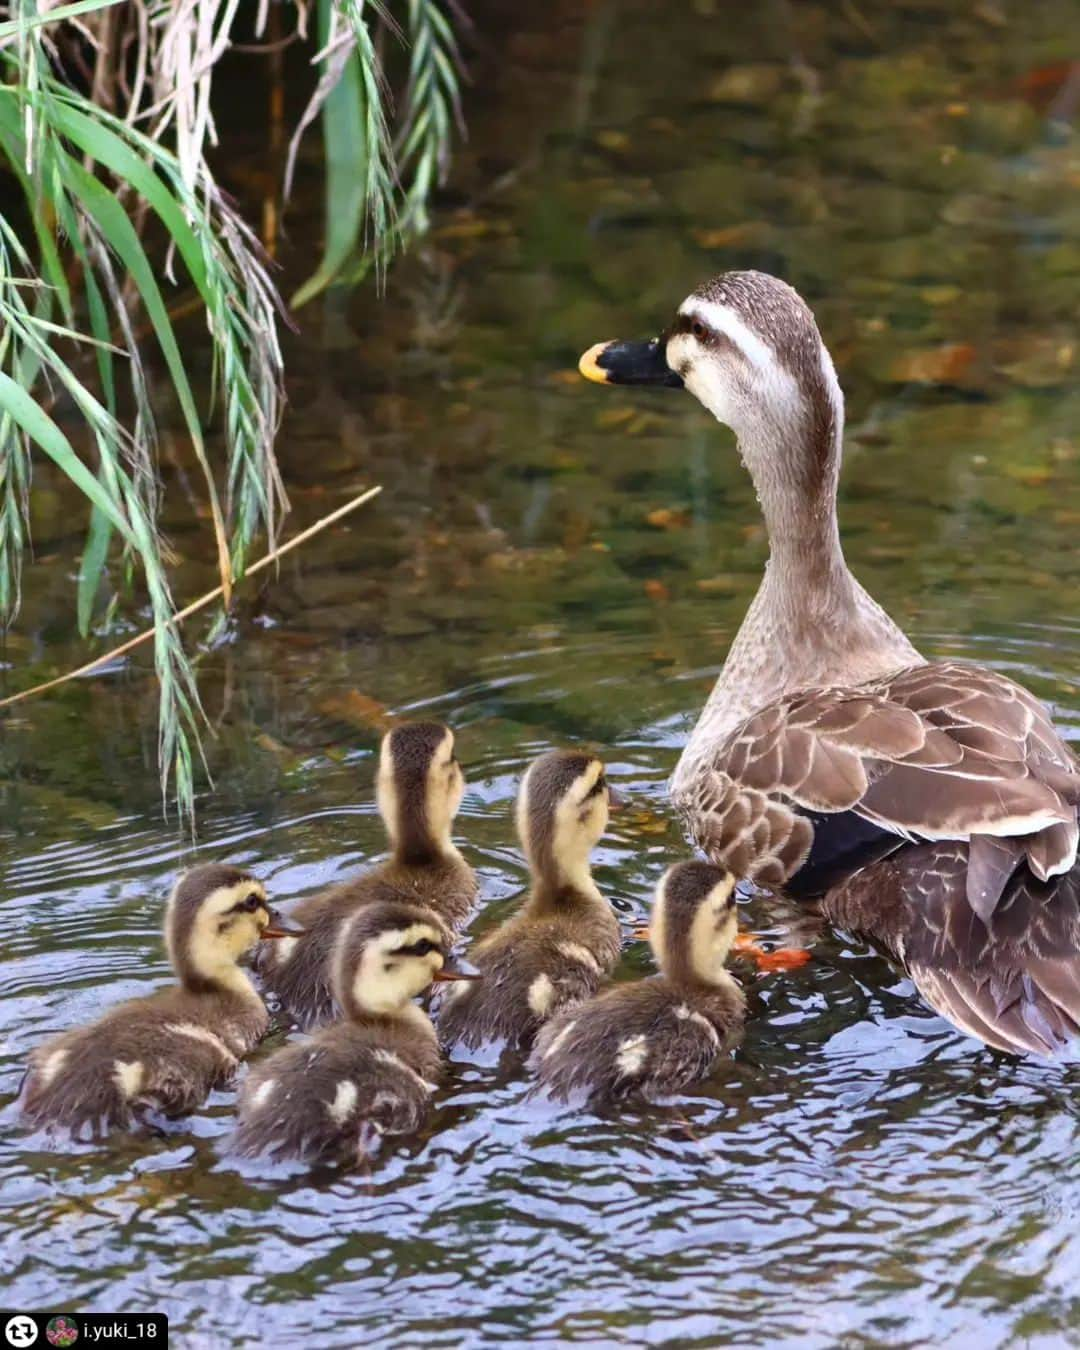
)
(784, 958)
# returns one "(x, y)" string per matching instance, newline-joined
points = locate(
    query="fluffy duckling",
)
(658, 1036)
(166, 1051)
(419, 790)
(329, 1098)
(556, 949)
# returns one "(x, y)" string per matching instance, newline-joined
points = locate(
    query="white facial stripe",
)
(522, 813)
(718, 896)
(386, 797)
(712, 932)
(574, 838)
(378, 990)
(220, 935)
(760, 403)
(658, 926)
(405, 937)
(832, 384)
(723, 319)
(219, 903)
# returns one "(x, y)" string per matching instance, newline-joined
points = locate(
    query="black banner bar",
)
(83, 1331)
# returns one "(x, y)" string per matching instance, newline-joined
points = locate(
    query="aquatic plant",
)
(106, 116)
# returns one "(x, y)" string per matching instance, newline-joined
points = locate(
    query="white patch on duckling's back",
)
(574, 951)
(128, 1076)
(344, 1102)
(685, 1014)
(558, 1040)
(631, 1055)
(282, 949)
(196, 1033)
(261, 1094)
(541, 992)
(51, 1066)
(389, 1057)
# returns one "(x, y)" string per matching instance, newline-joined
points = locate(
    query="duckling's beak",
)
(280, 926)
(629, 363)
(615, 800)
(640, 933)
(464, 970)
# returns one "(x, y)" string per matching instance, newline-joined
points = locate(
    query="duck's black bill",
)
(629, 363)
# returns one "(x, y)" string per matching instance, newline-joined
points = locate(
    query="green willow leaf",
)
(44, 432)
(92, 567)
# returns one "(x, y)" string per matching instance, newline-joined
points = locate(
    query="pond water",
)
(552, 564)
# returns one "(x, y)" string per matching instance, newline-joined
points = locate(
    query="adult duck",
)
(828, 740)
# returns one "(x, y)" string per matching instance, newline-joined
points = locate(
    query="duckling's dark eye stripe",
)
(421, 948)
(249, 904)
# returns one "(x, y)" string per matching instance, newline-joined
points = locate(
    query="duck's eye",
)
(252, 902)
(698, 328)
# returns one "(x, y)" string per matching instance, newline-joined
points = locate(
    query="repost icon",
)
(21, 1331)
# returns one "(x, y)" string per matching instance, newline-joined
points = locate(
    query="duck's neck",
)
(563, 881)
(414, 844)
(223, 978)
(810, 624)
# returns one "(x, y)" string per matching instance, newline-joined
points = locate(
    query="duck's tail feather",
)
(1011, 979)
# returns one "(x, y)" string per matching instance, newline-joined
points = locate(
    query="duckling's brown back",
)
(650, 1038)
(298, 970)
(329, 1098)
(165, 1053)
(541, 960)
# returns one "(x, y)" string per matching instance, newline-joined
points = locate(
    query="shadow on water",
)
(549, 565)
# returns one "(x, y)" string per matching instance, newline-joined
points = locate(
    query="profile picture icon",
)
(61, 1331)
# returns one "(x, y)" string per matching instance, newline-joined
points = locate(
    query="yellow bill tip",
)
(589, 367)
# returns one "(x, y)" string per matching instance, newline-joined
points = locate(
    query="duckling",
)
(419, 788)
(166, 1051)
(329, 1098)
(660, 1035)
(555, 950)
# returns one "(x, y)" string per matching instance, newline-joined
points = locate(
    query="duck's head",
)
(419, 789)
(693, 924)
(215, 916)
(747, 346)
(386, 955)
(563, 809)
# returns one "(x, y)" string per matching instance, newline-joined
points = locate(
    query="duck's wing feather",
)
(939, 751)
(1013, 982)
